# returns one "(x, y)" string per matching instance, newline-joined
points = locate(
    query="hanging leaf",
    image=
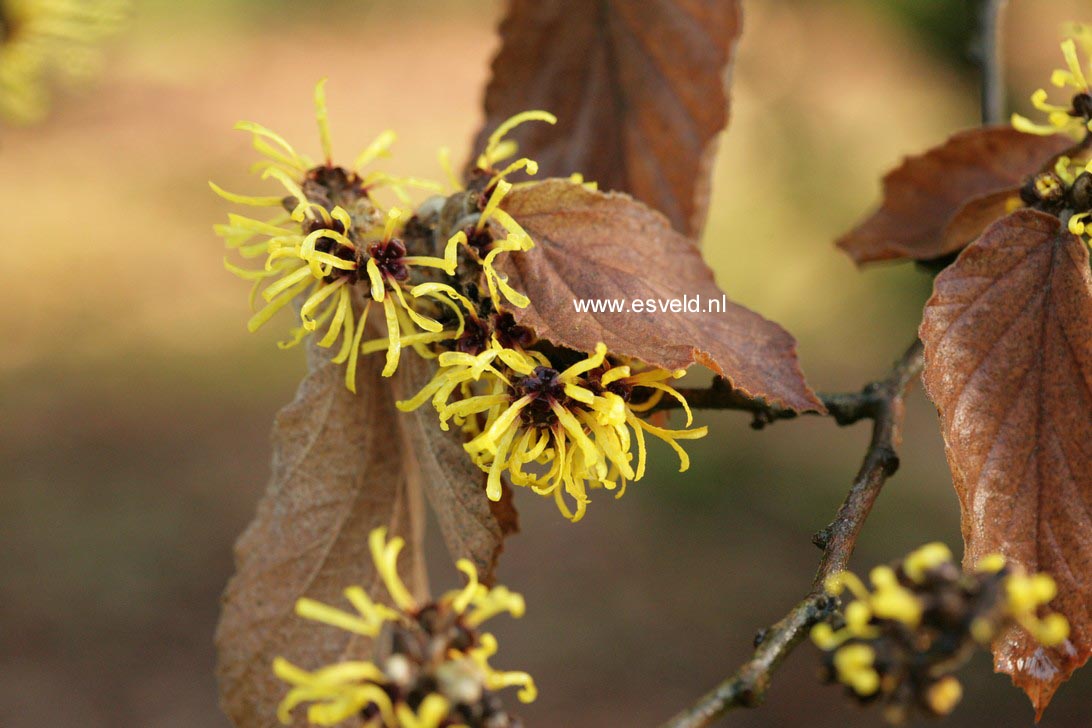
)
(1008, 362)
(638, 86)
(473, 527)
(936, 203)
(337, 474)
(594, 246)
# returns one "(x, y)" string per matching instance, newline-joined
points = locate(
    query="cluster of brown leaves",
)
(344, 464)
(1008, 363)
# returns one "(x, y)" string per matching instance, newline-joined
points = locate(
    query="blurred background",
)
(135, 408)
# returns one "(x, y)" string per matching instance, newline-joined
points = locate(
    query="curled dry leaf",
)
(472, 526)
(1008, 362)
(336, 476)
(936, 203)
(597, 246)
(638, 86)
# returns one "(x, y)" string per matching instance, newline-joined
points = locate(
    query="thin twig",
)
(882, 402)
(988, 47)
(845, 407)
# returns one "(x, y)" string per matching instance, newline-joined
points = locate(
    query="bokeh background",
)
(135, 408)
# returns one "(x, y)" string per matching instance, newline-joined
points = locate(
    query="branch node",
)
(825, 605)
(889, 460)
(751, 697)
(768, 416)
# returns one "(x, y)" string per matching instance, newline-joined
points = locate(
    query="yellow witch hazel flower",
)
(431, 666)
(556, 430)
(900, 641)
(335, 250)
(330, 235)
(42, 41)
(492, 186)
(1075, 119)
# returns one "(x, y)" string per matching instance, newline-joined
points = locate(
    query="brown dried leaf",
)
(594, 245)
(1008, 362)
(336, 476)
(938, 202)
(976, 214)
(638, 86)
(473, 527)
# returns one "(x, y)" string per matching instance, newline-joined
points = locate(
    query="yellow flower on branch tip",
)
(46, 40)
(434, 665)
(557, 431)
(1075, 119)
(898, 642)
(325, 242)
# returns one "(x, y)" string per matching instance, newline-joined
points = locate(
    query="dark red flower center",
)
(544, 387)
(510, 334)
(1082, 106)
(475, 337)
(389, 257)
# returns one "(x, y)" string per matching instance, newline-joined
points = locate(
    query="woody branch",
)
(881, 402)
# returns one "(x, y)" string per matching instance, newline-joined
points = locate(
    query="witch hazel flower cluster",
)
(558, 421)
